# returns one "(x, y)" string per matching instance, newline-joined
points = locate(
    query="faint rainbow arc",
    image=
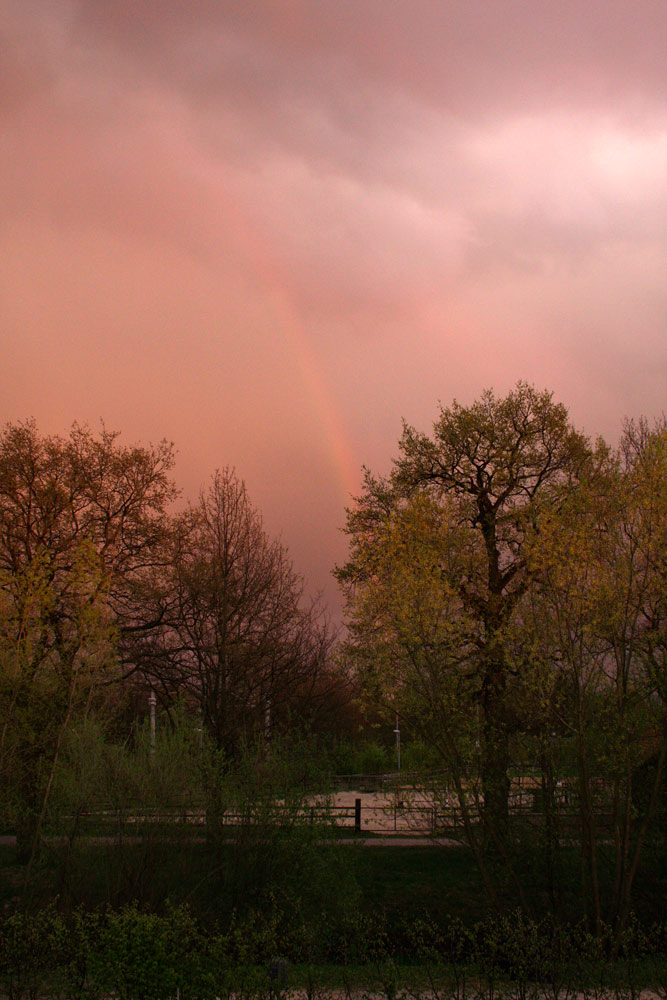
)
(265, 269)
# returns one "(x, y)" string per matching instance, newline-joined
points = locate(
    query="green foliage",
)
(44, 950)
(124, 793)
(366, 756)
(138, 955)
(280, 849)
(49, 673)
(506, 597)
(78, 516)
(273, 843)
(137, 775)
(143, 956)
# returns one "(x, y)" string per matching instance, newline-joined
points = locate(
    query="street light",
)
(399, 804)
(397, 732)
(152, 702)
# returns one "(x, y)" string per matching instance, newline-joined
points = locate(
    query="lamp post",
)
(397, 733)
(399, 804)
(152, 703)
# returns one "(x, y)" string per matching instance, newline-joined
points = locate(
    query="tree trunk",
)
(27, 833)
(214, 815)
(214, 774)
(27, 820)
(626, 889)
(495, 783)
(551, 840)
(588, 835)
(495, 762)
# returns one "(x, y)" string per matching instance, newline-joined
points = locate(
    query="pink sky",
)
(269, 230)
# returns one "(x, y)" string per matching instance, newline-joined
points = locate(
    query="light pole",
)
(152, 702)
(399, 804)
(397, 733)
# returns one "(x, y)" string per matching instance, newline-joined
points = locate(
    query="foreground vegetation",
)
(140, 956)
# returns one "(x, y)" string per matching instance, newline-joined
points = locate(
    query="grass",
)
(401, 880)
(411, 880)
(402, 883)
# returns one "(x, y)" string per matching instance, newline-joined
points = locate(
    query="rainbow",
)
(265, 269)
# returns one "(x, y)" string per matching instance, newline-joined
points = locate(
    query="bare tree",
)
(237, 637)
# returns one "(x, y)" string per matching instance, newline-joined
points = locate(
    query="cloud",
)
(260, 228)
(471, 58)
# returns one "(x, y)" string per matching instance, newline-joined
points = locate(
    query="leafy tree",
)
(595, 621)
(56, 646)
(559, 633)
(490, 472)
(414, 643)
(80, 521)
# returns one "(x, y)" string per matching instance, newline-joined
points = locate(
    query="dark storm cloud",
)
(471, 57)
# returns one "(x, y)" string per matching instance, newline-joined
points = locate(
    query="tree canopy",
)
(505, 594)
(492, 469)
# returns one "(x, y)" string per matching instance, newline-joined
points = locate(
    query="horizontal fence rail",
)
(392, 806)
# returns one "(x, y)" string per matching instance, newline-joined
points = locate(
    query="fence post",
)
(357, 815)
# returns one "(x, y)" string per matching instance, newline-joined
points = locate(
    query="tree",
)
(494, 469)
(413, 643)
(236, 636)
(596, 621)
(560, 634)
(55, 648)
(80, 521)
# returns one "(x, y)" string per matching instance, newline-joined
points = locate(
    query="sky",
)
(269, 231)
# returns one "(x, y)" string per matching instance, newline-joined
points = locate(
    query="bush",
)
(44, 949)
(143, 956)
(134, 955)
